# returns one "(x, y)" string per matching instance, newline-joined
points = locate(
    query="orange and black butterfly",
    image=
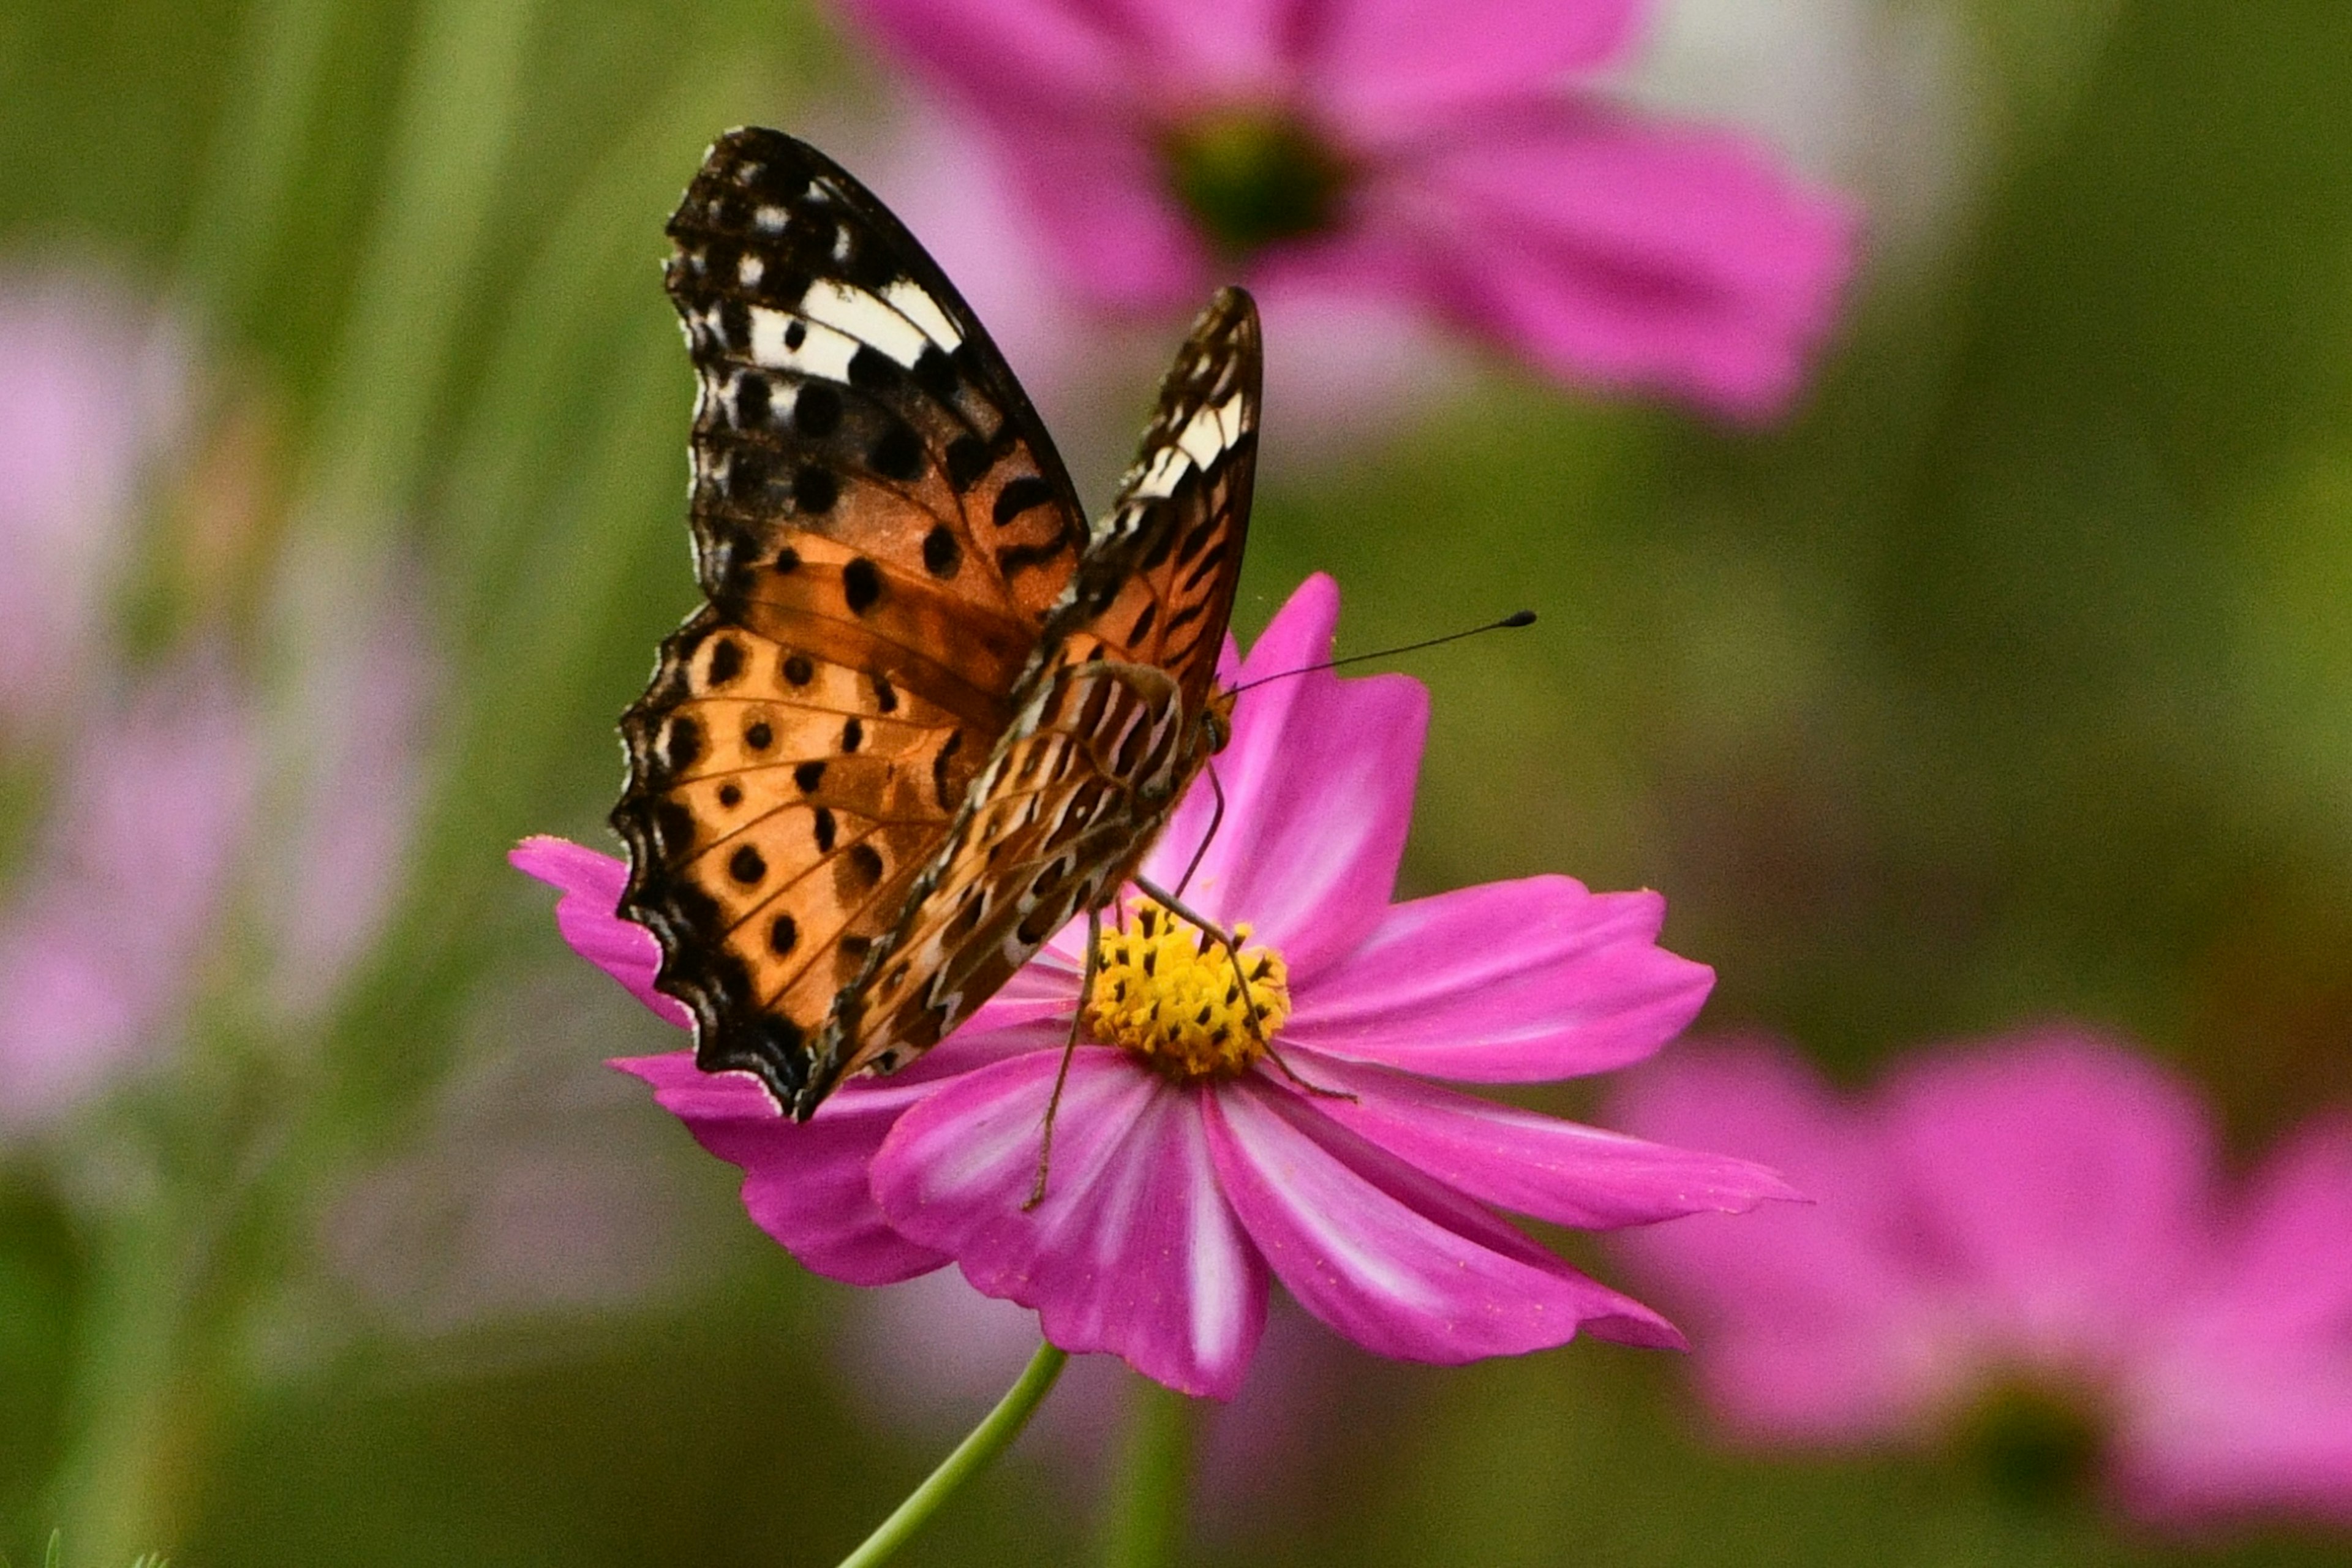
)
(927, 714)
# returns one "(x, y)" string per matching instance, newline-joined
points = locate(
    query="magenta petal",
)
(1062, 57)
(1110, 225)
(1626, 253)
(1318, 782)
(591, 885)
(1185, 53)
(1811, 1321)
(2289, 1269)
(1534, 1164)
(1134, 1251)
(804, 1183)
(1397, 1263)
(1377, 62)
(2248, 1402)
(2065, 1178)
(1506, 983)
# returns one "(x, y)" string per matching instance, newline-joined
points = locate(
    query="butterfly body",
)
(927, 714)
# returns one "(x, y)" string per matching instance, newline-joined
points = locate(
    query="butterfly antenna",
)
(1517, 619)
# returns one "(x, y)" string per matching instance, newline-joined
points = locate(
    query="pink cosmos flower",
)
(1426, 154)
(119, 904)
(2013, 1242)
(92, 388)
(1175, 1197)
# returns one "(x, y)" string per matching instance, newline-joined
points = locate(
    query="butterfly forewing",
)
(880, 524)
(1114, 717)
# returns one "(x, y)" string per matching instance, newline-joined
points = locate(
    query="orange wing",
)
(880, 524)
(1114, 716)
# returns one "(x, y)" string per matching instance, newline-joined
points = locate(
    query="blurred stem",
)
(1146, 1525)
(142, 1383)
(972, 1455)
(256, 152)
(449, 138)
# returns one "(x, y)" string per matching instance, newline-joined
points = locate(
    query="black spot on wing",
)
(1019, 495)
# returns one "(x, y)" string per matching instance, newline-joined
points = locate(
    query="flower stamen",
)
(1254, 177)
(1168, 990)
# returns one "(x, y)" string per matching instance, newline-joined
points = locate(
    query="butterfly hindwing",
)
(880, 522)
(1156, 585)
(1112, 720)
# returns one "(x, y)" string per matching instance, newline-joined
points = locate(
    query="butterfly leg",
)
(1077, 1021)
(1232, 945)
(1216, 820)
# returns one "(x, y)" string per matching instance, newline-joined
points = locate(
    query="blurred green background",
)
(2012, 678)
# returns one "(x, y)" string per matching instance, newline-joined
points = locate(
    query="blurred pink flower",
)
(529, 1188)
(2029, 1230)
(1397, 150)
(349, 737)
(1177, 1191)
(1346, 365)
(102, 941)
(91, 391)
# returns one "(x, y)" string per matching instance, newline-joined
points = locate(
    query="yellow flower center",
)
(1168, 990)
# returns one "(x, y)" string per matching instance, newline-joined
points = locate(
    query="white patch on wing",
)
(865, 317)
(1167, 470)
(748, 272)
(906, 297)
(771, 220)
(1204, 439)
(822, 353)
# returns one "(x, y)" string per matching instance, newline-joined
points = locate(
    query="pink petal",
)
(1809, 1321)
(1062, 59)
(804, 1183)
(591, 885)
(2063, 1180)
(1185, 53)
(2289, 1266)
(2248, 1403)
(1112, 228)
(127, 885)
(1536, 1164)
(1375, 62)
(2241, 1428)
(1133, 1250)
(1388, 1257)
(1506, 983)
(94, 391)
(807, 1184)
(1060, 90)
(1318, 782)
(1627, 253)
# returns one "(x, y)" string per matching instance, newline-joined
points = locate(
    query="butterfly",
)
(927, 714)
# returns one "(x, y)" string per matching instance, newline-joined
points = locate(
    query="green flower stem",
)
(139, 1393)
(249, 176)
(972, 1455)
(1146, 1526)
(449, 137)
